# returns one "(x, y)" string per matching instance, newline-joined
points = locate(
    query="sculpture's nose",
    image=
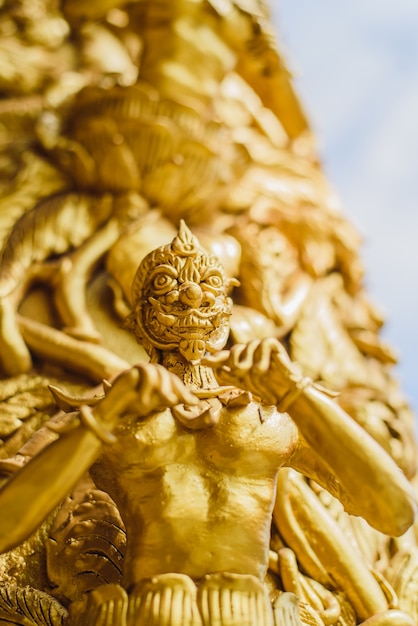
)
(191, 295)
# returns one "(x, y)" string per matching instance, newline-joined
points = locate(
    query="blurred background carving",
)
(356, 67)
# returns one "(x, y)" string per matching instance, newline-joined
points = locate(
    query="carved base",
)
(175, 600)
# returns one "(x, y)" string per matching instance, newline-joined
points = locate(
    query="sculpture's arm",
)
(400, 509)
(361, 473)
(368, 481)
(33, 493)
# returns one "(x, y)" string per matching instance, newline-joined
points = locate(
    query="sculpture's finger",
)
(215, 360)
(243, 355)
(262, 357)
(225, 376)
(279, 353)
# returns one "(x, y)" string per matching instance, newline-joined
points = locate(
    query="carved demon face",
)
(181, 299)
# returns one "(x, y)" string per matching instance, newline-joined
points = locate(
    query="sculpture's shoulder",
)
(249, 438)
(250, 433)
(148, 443)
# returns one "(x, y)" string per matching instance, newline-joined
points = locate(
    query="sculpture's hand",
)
(143, 389)
(262, 367)
(28, 498)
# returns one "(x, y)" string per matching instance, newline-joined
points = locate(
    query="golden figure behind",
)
(247, 457)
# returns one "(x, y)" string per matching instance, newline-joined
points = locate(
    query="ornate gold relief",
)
(167, 234)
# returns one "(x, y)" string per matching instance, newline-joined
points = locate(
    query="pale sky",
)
(356, 66)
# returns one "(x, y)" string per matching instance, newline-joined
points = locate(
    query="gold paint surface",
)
(199, 423)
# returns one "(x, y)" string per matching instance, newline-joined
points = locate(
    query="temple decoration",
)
(199, 422)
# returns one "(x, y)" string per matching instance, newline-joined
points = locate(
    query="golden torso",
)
(197, 502)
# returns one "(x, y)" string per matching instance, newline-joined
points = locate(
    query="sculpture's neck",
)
(195, 376)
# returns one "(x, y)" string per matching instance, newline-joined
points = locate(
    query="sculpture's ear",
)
(134, 325)
(130, 323)
(232, 282)
(219, 338)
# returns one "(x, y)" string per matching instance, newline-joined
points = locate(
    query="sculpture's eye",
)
(212, 280)
(163, 279)
(162, 283)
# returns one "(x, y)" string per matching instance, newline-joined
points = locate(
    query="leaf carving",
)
(30, 607)
(86, 544)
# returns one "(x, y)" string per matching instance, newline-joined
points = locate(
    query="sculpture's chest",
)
(254, 439)
(250, 439)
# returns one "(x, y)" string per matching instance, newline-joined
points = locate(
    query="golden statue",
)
(247, 458)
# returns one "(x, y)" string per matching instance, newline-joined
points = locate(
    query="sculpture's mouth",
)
(190, 330)
(187, 320)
